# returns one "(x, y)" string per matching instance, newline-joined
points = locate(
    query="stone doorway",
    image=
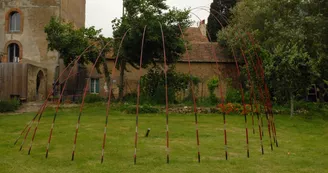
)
(40, 86)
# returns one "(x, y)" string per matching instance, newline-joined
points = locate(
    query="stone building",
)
(205, 57)
(23, 43)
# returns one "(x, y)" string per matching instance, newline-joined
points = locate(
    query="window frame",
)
(7, 53)
(94, 88)
(15, 58)
(14, 22)
(8, 21)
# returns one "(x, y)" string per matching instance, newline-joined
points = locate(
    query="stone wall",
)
(35, 14)
(204, 71)
(74, 11)
(32, 75)
(20, 79)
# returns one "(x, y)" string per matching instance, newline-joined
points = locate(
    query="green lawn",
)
(305, 140)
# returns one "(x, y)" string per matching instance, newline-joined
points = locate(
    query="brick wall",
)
(204, 71)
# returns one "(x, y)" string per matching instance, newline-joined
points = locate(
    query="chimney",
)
(202, 27)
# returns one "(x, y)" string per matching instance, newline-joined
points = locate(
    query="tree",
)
(317, 44)
(70, 42)
(291, 39)
(223, 8)
(289, 72)
(153, 85)
(140, 13)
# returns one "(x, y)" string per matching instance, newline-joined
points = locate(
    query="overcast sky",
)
(100, 13)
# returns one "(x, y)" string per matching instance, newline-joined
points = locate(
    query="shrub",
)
(235, 108)
(93, 98)
(9, 105)
(234, 96)
(130, 98)
(207, 102)
(143, 109)
(153, 85)
(212, 84)
(303, 107)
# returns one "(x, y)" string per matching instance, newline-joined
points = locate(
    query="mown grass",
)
(305, 140)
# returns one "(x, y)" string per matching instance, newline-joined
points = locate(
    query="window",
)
(94, 86)
(13, 52)
(14, 22)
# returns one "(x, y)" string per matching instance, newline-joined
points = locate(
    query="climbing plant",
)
(212, 84)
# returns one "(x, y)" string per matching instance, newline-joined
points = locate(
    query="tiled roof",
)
(200, 49)
(204, 52)
(193, 34)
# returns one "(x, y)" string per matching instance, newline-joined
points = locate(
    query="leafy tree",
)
(317, 42)
(140, 13)
(70, 42)
(223, 8)
(291, 37)
(153, 84)
(289, 72)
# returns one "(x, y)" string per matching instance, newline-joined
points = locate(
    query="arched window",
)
(13, 52)
(14, 22)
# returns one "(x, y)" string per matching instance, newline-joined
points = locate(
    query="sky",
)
(100, 13)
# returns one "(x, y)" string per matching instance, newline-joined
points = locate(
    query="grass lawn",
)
(305, 140)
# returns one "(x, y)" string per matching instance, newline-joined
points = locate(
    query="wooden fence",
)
(13, 80)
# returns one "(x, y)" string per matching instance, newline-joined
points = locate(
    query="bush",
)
(234, 96)
(301, 106)
(93, 98)
(9, 105)
(153, 85)
(207, 102)
(143, 109)
(212, 84)
(130, 98)
(235, 108)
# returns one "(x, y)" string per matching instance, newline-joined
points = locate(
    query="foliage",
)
(235, 108)
(289, 72)
(290, 41)
(70, 42)
(152, 13)
(93, 98)
(212, 84)
(233, 96)
(9, 105)
(143, 109)
(221, 10)
(153, 84)
(130, 98)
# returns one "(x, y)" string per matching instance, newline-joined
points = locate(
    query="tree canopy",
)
(221, 10)
(292, 41)
(152, 13)
(140, 13)
(70, 42)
